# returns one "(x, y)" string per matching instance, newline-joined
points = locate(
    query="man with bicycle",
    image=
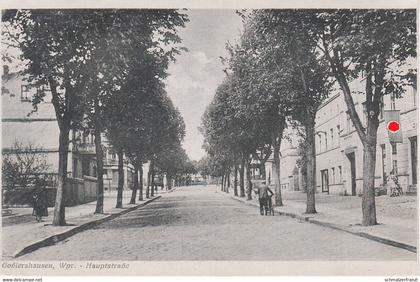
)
(263, 195)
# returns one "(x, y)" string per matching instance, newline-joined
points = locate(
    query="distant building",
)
(289, 171)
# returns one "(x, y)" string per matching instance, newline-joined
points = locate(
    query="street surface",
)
(197, 223)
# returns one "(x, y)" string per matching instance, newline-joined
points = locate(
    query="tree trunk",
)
(223, 182)
(235, 181)
(276, 171)
(311, 167)
(59, 208)
(368, 139)
(369, 162)
(120, 178)
(262, 170)
(152, 177)
(148, 182)
(169, 182)
(248, 181)
(136, 184)
(228, 180)
(242, 178)
(99, 169)
(141, 182)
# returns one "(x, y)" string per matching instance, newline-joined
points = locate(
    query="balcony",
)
(85, 148)
(110, 161)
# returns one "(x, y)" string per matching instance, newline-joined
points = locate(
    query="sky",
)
(196, 74)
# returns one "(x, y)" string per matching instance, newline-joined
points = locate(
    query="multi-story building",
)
(40, 129)
(339, 151)
(289, 171)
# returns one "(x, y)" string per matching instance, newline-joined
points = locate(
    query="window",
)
(326, 141)
(349, 123)
(381, 108)
(384, 175)
(320, 143)
(332, 137)
(395, 167)
(85, 167)
(333, 175)
(75, 168)
(338, 135)
(394, 158)
(340, 179)
(27, 91)
(394, 148)
(25, 95)
(365, 117)
(393, 101)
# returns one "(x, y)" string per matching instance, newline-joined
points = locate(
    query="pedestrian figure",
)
(263, 191)
(40, 207)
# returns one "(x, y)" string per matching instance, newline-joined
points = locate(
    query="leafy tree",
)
(373, 44)
(308, 77)
(172, 161)
(264, 79)
(220, 129)
(133, 56)
(169, 132)
(56, 49)
(22, 165)
(58, 46)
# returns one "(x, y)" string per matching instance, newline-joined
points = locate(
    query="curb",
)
(378, 239)
(53, 239)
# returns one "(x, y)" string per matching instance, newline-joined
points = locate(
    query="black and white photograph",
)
(174, 134)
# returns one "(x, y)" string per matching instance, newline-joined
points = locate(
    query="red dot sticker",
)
(393, 126)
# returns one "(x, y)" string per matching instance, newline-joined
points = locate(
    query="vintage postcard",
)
(201, 138)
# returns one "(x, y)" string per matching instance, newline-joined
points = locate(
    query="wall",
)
(77, 191)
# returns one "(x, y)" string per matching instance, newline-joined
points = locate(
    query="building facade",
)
(339, 151)
(289, 171)
(40, 129)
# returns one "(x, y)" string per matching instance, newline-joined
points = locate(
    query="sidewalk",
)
(397, 216)
(27, 236)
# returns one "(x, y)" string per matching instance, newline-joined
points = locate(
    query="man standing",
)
(262, 191)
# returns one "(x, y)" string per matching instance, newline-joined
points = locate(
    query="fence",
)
(76, 191)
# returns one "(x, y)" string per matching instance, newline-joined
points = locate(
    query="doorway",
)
(324, 180)
(384, 168)
(352, 160)
(413, 145)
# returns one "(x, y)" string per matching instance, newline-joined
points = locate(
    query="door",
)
(384, 176)
(352, 160)
(324, 180)
(413, 143)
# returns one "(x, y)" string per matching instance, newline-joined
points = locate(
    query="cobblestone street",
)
(197, 223)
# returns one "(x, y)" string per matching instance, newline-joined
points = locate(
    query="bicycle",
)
(268, 206)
